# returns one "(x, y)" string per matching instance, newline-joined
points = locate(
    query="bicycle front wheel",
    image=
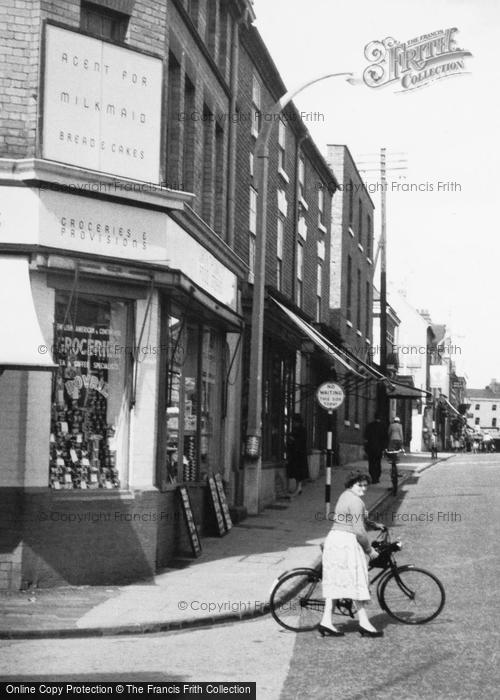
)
(413, 596)
(296, 601)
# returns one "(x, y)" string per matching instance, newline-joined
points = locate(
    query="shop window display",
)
(193, 406)
(90, 396)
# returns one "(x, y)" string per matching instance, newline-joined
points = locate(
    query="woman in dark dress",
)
(297, 467)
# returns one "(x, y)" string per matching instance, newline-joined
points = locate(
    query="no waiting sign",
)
(330, 395)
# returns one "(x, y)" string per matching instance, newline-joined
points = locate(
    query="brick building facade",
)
(128, 230)
(351, 293)
(116, 198)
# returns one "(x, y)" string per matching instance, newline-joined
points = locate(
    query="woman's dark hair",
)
(358, 478)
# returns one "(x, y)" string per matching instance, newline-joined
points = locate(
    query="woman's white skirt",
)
(345, 571)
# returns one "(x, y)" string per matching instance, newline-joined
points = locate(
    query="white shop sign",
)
(102, 106)
(86, 225)
(108, 229)
(439, 377)
(200, 265)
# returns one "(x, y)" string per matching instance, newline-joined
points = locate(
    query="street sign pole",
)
(329, 396)
(329, 463)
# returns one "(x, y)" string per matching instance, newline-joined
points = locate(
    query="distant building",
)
(483, 414)
(351, 293)
(414, 349)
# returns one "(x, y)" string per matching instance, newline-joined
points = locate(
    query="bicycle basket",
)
(381, 561)
(385, 550)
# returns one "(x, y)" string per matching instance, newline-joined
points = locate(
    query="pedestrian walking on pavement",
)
(375, 443)
(297, 466)
(434, 445)
(345, 569)
(395, 435)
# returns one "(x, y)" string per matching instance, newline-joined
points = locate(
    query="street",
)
(447, 519)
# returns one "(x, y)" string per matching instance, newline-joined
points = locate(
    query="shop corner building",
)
(114, 245)
(127, 248)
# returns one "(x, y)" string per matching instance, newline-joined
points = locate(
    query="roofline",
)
(258, 51)
(343, 145)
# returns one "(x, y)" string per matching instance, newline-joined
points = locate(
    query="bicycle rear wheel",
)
(413, 596)
(296, 601)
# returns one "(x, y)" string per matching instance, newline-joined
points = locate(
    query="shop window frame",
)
(98, 291)
(165, 480)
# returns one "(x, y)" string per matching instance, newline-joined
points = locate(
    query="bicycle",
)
(408, 594)
(393, 457)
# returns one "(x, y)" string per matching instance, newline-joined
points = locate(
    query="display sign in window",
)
(90, 393)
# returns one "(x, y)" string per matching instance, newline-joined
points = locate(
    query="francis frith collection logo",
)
(414, 63)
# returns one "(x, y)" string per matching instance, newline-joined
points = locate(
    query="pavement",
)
(230, 581)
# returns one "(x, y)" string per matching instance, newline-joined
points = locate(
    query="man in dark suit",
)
(375, 443)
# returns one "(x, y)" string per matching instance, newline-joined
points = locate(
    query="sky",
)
(443, 243)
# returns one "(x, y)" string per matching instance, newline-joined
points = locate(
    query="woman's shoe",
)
(368, 633)
(327, 632)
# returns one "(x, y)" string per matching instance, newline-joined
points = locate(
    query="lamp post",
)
(383, 407)
(253, 444)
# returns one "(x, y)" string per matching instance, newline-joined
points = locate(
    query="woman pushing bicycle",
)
(345, 569)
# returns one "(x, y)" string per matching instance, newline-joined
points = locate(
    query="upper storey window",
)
(103, 21)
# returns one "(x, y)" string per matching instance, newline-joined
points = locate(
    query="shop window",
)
(211, 398)
(193, 402)
(278, 398)
(91, 393)
(175, 360)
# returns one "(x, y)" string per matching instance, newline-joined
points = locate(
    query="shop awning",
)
(395, 390)
(450, 406)
(319, 340)
(22, 345)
